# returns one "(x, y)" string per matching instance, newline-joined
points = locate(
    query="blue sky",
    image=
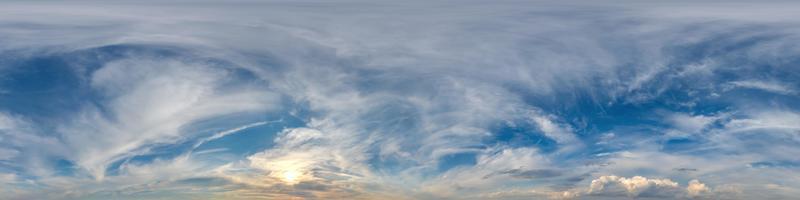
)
(399, 100)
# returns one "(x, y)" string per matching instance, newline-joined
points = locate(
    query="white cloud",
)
(148, 101)
(762, 85)
(494, 170)
(696, 189)
(643, 187)
(377, 92)
(229, 132)
(611, 187)
(296, 157)
(6, 154)
(8, 122)
(633, 187)
(768, 119)
(559, 132)
(691, 123)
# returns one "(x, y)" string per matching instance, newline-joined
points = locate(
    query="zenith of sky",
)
(399, 100)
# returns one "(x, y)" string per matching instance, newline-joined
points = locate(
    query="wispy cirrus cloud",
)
(411, 100)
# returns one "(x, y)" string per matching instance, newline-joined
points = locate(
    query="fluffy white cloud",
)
(638, 186)
(633, 187)
(696, 189)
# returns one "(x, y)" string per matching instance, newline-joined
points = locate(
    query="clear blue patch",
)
(40, 88)
(682, 144)
(64, 168)
(525, 135)
(450, 161)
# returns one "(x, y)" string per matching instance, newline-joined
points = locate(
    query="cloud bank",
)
(399, 100)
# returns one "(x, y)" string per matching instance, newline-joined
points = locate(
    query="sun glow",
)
(291, 176)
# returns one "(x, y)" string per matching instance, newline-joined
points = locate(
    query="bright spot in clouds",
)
(414, 99)
(290, 176)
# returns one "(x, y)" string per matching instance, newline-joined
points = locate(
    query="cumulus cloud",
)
(638, 186)
(633, 187)
(696, 189)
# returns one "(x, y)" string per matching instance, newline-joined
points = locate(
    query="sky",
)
(399, 100)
